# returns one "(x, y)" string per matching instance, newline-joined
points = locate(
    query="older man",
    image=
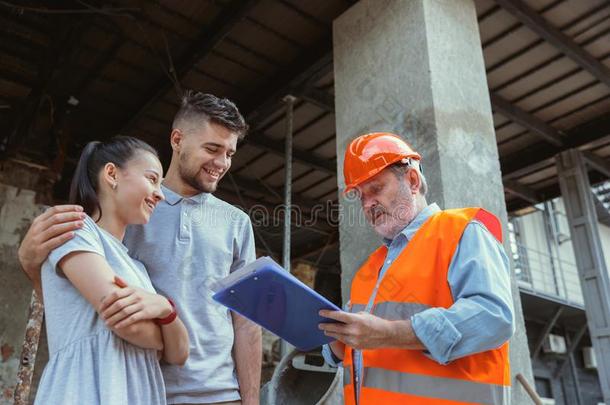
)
(192, 239)
(430, 311)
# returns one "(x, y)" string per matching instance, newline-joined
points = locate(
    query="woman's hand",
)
(128, 305)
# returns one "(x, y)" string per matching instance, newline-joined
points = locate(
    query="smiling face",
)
(139, 188)
(204, 156)
(389, 203)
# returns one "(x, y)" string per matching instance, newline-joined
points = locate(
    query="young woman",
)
(103, 352)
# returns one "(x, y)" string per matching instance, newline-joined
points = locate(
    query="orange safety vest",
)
(417, 280)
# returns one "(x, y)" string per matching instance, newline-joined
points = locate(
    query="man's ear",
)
(175, 138)
(414, 180)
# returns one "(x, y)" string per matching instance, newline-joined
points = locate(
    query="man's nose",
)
(368, 202)
(222, 162)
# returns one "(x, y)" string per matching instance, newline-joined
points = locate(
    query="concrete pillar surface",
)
(416, 68)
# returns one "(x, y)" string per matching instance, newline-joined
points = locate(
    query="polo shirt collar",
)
(173, 198)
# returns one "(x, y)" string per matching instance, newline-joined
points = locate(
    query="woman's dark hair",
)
(118, 150)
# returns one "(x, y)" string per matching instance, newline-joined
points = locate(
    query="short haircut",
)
(197, 107)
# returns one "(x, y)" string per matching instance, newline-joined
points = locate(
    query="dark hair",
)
(118, 150)
(197, 106)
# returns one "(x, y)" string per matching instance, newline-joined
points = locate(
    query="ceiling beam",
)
(549, 192)
(540, 154)
(230, 195)
(538, 127)
(257, 186)
(535, 22)
(321, 98)
(603, 213)
(16, 78)
(522, 191)
(209, 38)
(309, 249)
(317, 61)
(58, 57)
(598, 163)
(299, 155)
(534, 124)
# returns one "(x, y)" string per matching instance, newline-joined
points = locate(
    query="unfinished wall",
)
(562, 389)
(22, 188)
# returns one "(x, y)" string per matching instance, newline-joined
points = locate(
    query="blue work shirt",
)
(481, 317)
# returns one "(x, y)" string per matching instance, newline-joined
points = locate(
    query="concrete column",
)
(416, 68)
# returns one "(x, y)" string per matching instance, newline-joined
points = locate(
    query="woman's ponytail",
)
(83, 190)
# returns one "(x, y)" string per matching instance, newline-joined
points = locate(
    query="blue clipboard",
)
(273, 298)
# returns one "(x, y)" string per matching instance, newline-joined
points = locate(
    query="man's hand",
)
(365, 331)
(132, 304)
(48, 230)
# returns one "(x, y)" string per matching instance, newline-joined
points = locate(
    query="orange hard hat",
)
(369, 154)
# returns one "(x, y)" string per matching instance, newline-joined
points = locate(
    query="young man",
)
(430, 311)
(192, 239)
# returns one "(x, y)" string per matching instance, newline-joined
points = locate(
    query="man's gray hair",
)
(399, 169)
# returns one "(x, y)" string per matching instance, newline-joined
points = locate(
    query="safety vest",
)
(417, 280)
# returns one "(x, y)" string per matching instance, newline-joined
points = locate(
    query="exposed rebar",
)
(289, 100)
(28, 351)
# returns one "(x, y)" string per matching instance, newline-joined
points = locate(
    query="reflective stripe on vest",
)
(347, 375)
(393, 311)
(435, 387)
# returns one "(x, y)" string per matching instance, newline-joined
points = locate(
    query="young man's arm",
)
(247, 346)
(48, 230)
(247, 352)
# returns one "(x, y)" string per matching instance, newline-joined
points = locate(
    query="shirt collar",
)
(410, 230)
(173, 198)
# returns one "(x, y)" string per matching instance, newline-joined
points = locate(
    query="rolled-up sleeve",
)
(482, 316)
(330, 357)
(327, 353)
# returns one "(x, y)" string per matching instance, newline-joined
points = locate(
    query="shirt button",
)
(184, 227)
(388, 262)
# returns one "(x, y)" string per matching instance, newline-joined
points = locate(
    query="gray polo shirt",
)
(187, 245)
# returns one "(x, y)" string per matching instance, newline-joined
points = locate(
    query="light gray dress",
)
(88, 364)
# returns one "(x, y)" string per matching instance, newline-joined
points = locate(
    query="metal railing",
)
(540, 272)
